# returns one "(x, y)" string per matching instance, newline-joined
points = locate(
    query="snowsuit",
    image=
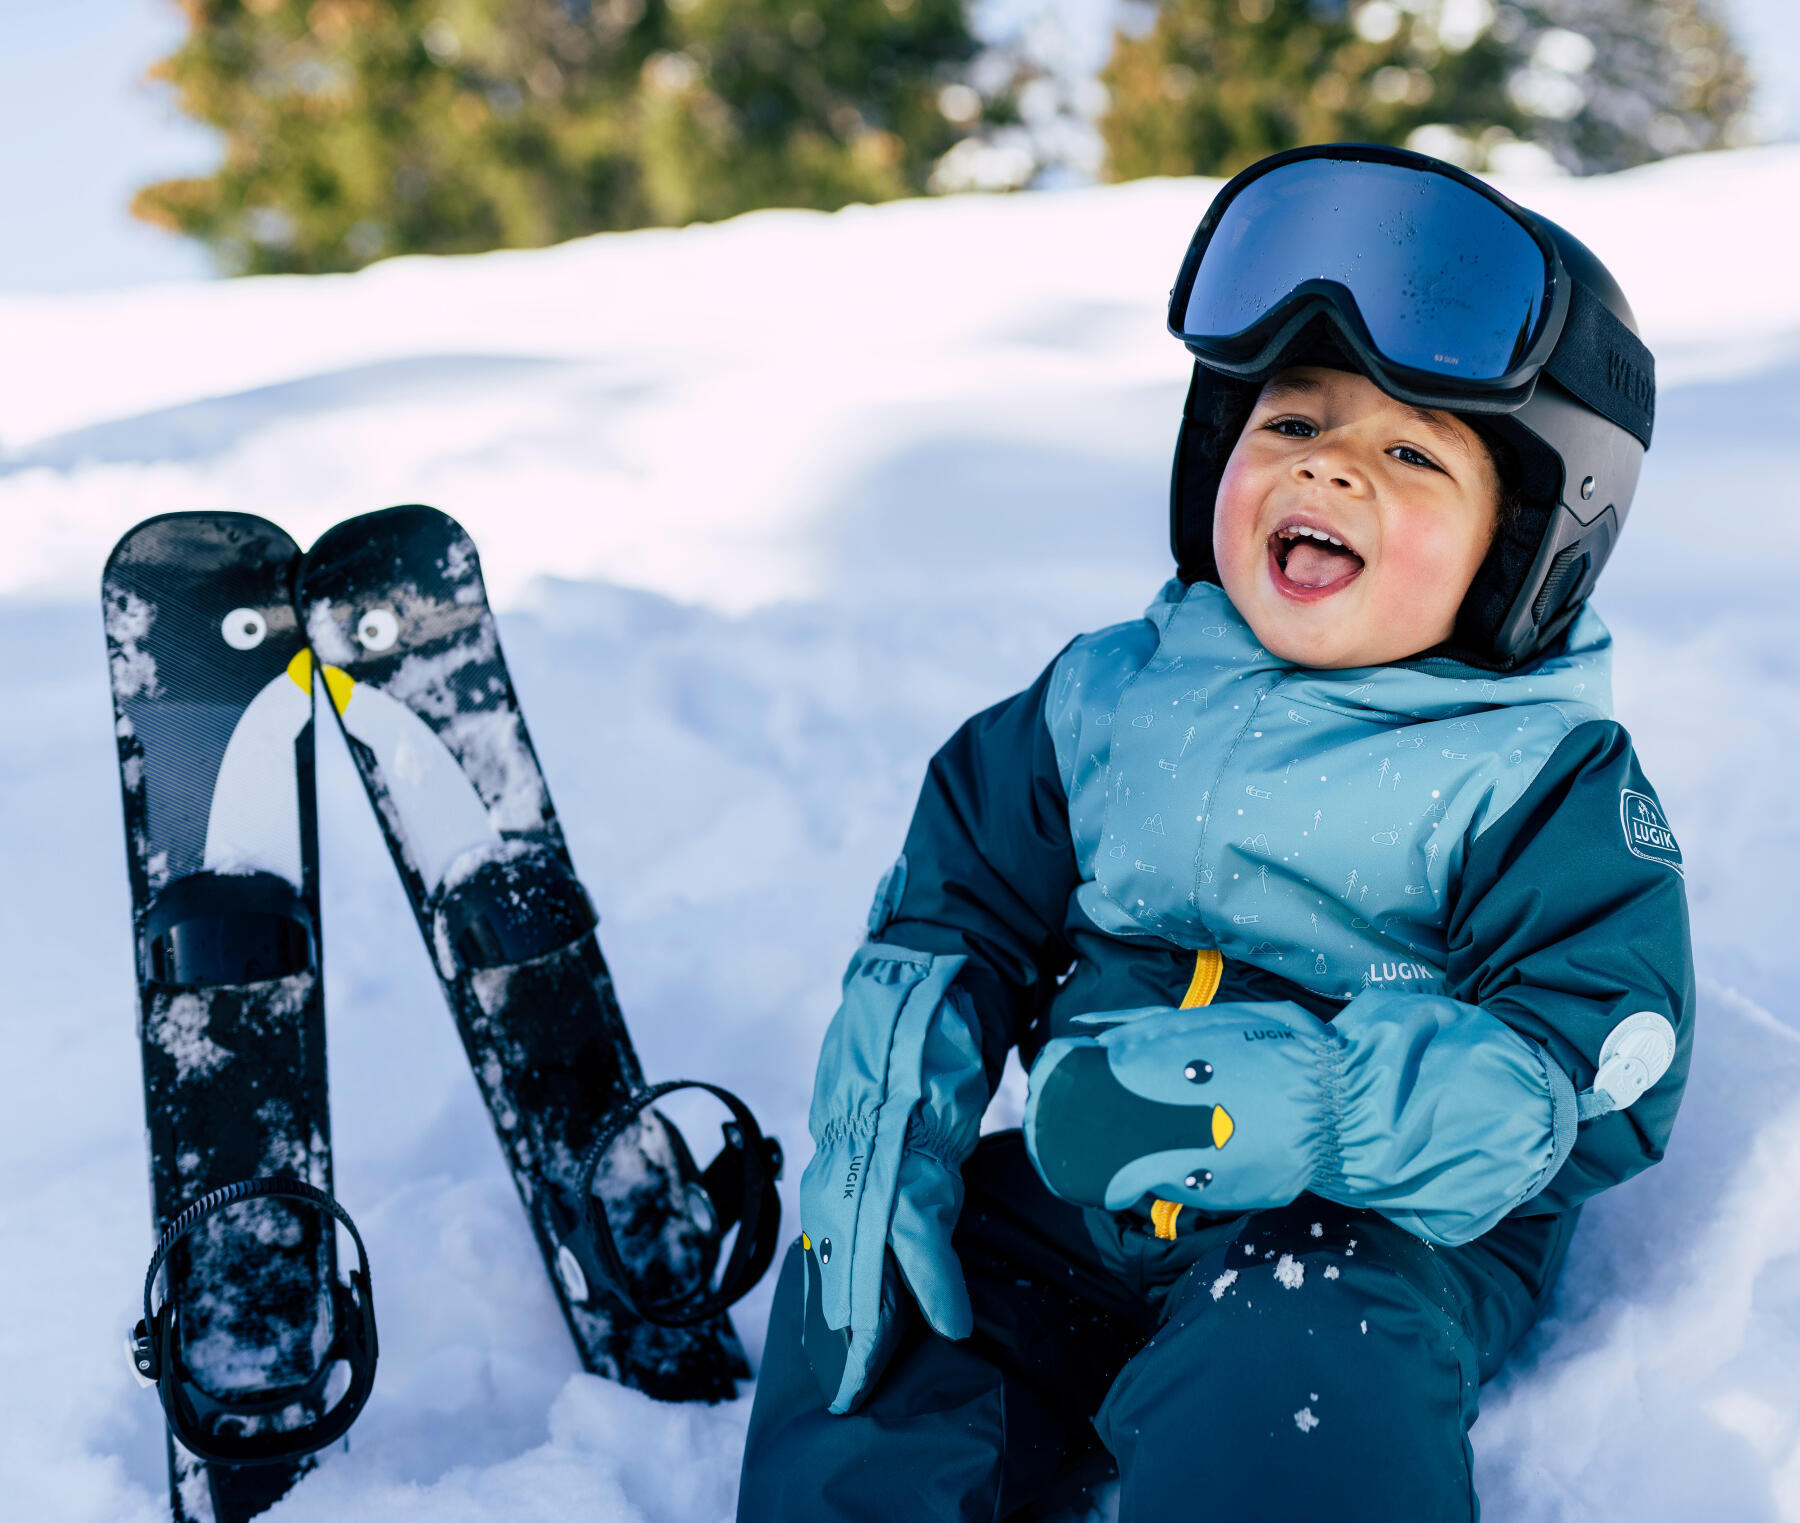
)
(1172, 816)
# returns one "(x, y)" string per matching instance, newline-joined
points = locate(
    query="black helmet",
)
(1569, 417)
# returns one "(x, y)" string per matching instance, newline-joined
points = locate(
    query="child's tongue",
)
(1312, 563)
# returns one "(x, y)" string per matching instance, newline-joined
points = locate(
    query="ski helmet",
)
(1446, 295)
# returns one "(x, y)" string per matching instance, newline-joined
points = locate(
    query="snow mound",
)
(770, 508)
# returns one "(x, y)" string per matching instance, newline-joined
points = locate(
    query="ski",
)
(212, 696)
(630, 1231)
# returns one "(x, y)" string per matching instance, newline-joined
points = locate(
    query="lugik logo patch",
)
(1647, 832)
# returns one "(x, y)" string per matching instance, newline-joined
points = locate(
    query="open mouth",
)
(1308, 561)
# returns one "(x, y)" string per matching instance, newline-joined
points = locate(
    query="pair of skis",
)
(216, 628)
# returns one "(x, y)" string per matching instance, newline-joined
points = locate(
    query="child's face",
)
(1412, 495)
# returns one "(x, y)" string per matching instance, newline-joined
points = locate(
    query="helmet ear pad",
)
(1577, 475)
(1530, 486)
(1213, 416)
(1518, 537)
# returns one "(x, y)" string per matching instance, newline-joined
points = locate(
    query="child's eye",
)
(1411, 456)
(1293, 428)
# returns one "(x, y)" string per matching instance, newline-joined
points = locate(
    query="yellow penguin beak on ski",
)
(340, 685)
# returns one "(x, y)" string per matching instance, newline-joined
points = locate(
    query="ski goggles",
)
(1449, 295)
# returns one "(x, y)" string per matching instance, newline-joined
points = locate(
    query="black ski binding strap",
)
(227, 928)
(201, 1422)
(739, 1186)
(514, 909)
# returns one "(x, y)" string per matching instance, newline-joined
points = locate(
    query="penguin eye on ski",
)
(378, 629)
(243, 628)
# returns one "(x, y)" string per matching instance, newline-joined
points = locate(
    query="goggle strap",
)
(1603, 364)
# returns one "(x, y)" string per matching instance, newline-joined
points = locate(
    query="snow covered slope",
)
(771, 507)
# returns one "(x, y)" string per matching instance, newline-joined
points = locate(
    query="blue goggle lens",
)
(1445, 280)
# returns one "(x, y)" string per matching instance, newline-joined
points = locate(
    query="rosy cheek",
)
(1430, 557)
(1234, 516)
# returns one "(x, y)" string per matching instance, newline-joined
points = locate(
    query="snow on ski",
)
(394, 606)
(212, 695)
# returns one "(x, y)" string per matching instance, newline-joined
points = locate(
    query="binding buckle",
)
(237, 1429)
(736, 1188)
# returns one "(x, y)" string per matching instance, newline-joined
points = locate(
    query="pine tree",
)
(785, 103)
(1609, 84)
(1208, 86)
(1217, 84)
(358, 128)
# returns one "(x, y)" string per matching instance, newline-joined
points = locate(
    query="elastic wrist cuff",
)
(946, 1145)
(1564, 1110)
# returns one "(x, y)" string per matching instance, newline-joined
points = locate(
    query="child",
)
(1339, 928)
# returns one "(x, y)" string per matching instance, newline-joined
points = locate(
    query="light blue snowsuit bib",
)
(1312, 823)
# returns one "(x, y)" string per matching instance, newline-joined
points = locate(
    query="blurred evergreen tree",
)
(1609, 84)
(1208, 86)
(359, 128)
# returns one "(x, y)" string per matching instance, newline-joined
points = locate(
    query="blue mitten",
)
(896, 1109)
(1448, 1117)
(1433, 1112)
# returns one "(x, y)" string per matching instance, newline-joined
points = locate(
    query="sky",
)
(82, 129)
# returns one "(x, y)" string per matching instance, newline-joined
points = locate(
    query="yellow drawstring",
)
(1209, 968)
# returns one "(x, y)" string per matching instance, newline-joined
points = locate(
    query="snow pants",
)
(1296, 1364)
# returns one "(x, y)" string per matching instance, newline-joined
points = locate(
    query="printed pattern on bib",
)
(1309, 822)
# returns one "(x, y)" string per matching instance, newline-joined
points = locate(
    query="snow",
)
(769, 508)
(179, 1028)
(1290, 1273)
(127, 621)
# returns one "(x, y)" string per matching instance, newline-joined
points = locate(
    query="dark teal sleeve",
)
(1564, 923)
(989, 867)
